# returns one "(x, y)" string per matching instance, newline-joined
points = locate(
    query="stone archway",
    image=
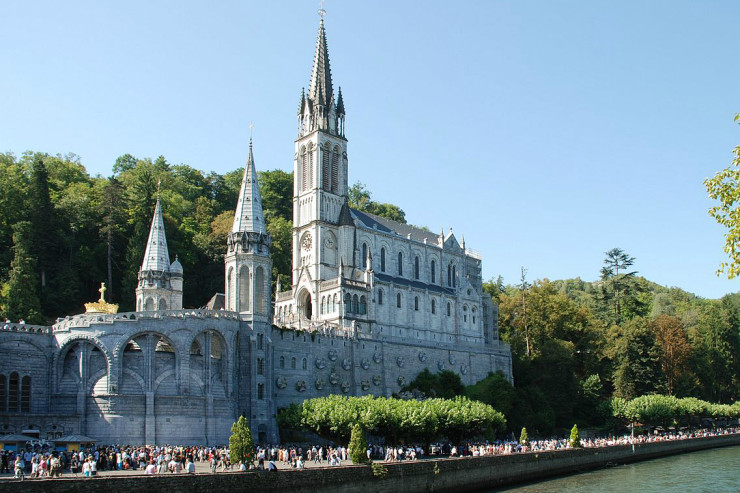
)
(306, 305)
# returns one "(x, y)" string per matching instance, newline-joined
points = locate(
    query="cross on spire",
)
(322, 12)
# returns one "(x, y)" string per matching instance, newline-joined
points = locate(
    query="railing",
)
(473, 253)
(30, 329)
(86, 319)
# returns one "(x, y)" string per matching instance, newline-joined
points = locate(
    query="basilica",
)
(372, 302)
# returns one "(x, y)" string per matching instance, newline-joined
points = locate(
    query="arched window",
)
(229, 288)
(398, 300)
(260, 391)
(259, 291)
(400, 263)
(449, 309)
(465, 313)
(304, 169)
(449, 275)
(473, 314)
(243, 289)
(434, 307)
(304, 364)
(363, 260)
(13, 392)
(3, 393)
(323, 305)
(282, 361)
(454, 277)
(335, 170)
(363, 305)
(311, 151)
(416, 267)
(382, 260)
(347, 303)
(149, 305)
(416, 303)
(293, 363)
(380, 296)
(260, 341)
(260, 366)
(355, 304)
(325, 167)
(434, 267)
(334, 303)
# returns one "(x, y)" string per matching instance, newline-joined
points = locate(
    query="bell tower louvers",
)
(248, 263)
(320, 174)
(160, 283)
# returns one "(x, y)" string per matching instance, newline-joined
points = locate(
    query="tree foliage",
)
(358, 445)
(241, 445)
(360, 198)
(724, 187)
(401, 420)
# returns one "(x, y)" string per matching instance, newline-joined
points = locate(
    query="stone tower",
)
(160, 283)
(320, 187)
(247, 262)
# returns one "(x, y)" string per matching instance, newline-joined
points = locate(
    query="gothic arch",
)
(60, 354)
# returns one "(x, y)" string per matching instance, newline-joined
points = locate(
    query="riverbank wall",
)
(442, 475)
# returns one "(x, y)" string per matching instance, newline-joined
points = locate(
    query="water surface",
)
(715, 470)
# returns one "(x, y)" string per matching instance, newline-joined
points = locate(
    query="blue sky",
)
(545, 132)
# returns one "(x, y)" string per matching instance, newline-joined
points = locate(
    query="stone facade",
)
(372, 302)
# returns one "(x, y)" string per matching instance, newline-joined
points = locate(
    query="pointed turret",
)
(321, 73)
(249, 217)
(247, 260)
(156, 258)
(340, 103)
(160, 283)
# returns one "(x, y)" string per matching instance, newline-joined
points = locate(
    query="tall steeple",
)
(249, 217)
(318, 110)
(156, 258)
(160, 283)
(247, 262)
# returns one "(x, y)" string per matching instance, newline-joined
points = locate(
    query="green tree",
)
(23, 298)
(575, 437)
(618, 282)
(637, 361)
(360, 198)
(524, 438)
(725, 188)
(241, 445)
(358, 445)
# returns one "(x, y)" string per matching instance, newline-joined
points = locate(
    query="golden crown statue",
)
(101, 306)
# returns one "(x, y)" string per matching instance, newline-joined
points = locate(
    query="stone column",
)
(81, 390)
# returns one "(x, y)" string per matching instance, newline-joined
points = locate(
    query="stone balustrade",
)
(87, 319)
(26, 328)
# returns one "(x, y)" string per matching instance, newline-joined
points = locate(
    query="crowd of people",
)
(170, 459)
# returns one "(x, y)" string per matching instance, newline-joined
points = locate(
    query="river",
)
(715, 470)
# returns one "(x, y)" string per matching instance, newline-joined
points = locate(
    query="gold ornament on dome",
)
(101, 306)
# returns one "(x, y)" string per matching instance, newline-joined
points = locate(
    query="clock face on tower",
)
(330, 243)
(307, 241)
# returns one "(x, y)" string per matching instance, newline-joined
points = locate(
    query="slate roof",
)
(15, 438)
(74, 439)
(401, 281)
(156, 258)
(248, 216)
(371, 221)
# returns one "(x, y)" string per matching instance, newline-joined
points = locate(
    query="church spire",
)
(249, 217)
(319, 109)
(157, 257)
(321, 73)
